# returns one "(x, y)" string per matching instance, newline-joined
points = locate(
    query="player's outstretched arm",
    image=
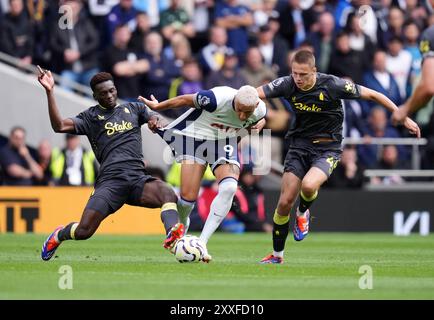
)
(379, 98)
(423, 92)
(369, 94)
(58, 124)
(185, 100)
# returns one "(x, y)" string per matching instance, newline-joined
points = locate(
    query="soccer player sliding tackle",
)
(114, 133)
(315, 139)
(208, 134)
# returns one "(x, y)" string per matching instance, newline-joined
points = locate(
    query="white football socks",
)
(220, 207)
(184, 209)
(299, 213)
(278, 254)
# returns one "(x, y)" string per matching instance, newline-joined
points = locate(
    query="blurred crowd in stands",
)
(173, 47)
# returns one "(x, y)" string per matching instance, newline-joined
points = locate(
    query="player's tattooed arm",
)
(185, 100)
(58, 124)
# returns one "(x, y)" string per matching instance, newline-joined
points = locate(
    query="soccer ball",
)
(189, 249)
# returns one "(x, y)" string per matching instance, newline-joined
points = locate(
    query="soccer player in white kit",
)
(207, 134)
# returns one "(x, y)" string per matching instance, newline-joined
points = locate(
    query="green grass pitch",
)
(323, 266)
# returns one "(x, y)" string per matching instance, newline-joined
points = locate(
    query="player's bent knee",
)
(308, 188)
(164, 193)
(168, 195)
(228, 187)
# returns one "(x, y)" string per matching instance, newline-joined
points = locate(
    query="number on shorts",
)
(228, 149)
(333, 163)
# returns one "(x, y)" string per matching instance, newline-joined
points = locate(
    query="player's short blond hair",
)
(247, 96)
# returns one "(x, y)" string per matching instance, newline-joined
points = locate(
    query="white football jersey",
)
(214, 116)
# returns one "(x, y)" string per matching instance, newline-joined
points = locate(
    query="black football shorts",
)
(111, 194)
(305, 153)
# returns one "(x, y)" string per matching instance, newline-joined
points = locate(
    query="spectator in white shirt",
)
(398, 63)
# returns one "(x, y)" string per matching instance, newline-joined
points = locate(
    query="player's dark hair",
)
(100, 77)
(305, 57)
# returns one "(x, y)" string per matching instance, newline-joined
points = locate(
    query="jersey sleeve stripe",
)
(182, 122)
